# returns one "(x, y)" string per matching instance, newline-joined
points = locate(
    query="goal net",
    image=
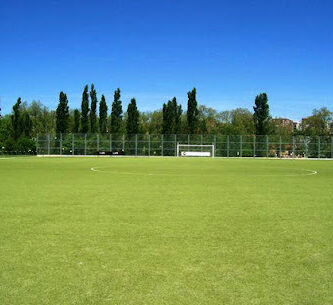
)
(192, 150)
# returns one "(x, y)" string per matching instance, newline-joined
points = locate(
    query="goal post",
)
(193, 150)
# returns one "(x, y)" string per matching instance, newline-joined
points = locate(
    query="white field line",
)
(311, 172)
(96, 169)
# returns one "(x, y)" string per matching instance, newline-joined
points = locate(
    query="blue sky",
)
(154, 50)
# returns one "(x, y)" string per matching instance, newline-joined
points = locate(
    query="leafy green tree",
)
(85, 111)
(21, 127)
(132, 125)
(93, 108)
(62, 114)
(43, 120)
(261, 115)
(35, 110)
(103, 115)
(16, 120)
(192, 112)
(49, 120)
(5, 130)
(25, 145)
(320, 123)
(116, 113)
(26, 124)
(209, 120)
(76, 126)
(151, 122)
(242, 121)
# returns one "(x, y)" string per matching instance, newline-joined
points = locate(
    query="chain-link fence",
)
(166, 145)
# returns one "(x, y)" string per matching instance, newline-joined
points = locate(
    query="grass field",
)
(165, 231)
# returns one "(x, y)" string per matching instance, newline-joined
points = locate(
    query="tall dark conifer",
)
(192, 112)
(171, 117)
(16, 120)
(116, 113)
(76, 126)
(103, 115)
(165, 123)
(132, 126)
(261, 115)
(85, 111)
(93, 108)
(178, 116)
(62, 114)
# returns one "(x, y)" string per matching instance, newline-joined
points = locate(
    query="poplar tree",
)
(132, 125)
(177, 114)
(62, 114)
(116, 113)
(85, 111)
(93, 108)
(76, 126)
(103, 115)
(192, 112)
(171, 117)
(166, 122)
(261, 115)
(16, 120)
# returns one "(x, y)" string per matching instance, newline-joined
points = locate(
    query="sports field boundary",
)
(162, 157)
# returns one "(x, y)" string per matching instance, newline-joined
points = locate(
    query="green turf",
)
(165, 231)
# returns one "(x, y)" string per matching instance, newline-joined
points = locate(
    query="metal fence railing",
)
(166, 145)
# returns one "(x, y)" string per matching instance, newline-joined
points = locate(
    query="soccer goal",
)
(192, 150)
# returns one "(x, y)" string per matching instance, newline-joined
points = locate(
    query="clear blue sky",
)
(154, 50)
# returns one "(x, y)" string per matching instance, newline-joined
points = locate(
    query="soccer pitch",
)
(165, 231)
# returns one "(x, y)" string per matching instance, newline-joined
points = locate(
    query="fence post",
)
(332, 147)
(241, 146)
(123, 142)
(306, 143)
(318, 147)
(60, 144)
(73, 146)
(110, 142)
(188, 139)
(228, 146)
(136, 144)
(201, 141)
(48, 143)
(85, 144)
(254, 146)
(97, 142)
(214, 145)
(162, 147)
(280, 147)
(149, 145)
(176, 145)
(267, 146)
(293, 146)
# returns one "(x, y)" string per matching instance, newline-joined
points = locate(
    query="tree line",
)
(26, 121)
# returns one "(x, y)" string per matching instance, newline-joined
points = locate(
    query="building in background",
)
(287, 124)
